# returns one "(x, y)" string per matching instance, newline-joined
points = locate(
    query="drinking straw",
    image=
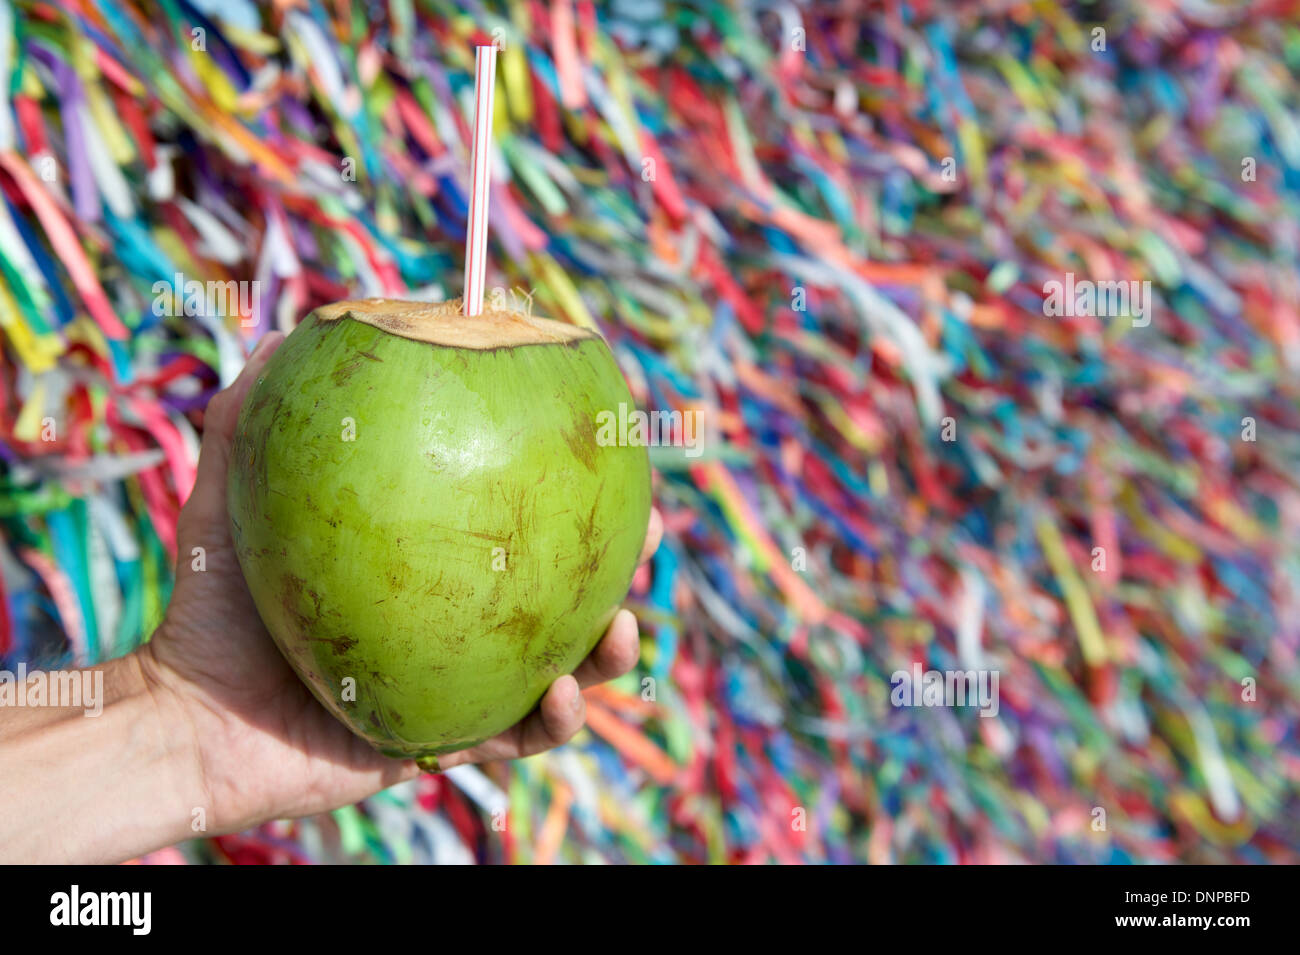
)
(485, 71)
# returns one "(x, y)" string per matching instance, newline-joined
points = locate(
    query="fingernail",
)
(577, 701)
(260, 347)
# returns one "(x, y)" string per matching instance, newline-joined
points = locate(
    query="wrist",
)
(173, 719)
(101, 785)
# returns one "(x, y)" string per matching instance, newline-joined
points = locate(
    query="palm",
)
(264, 739)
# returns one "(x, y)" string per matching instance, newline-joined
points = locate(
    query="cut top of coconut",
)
(444, 323)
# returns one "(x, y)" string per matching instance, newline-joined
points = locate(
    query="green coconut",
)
(427, 521)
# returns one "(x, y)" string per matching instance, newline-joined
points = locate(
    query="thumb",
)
(203, 518)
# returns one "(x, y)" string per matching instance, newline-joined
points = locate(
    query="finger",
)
(653, 535)
(615, 655)
(560, 715)
(205, 510)
(223, 410)
(557, 718)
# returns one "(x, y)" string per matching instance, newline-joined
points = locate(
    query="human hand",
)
(262, 746)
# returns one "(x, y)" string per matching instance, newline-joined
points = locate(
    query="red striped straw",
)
(485, 81)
